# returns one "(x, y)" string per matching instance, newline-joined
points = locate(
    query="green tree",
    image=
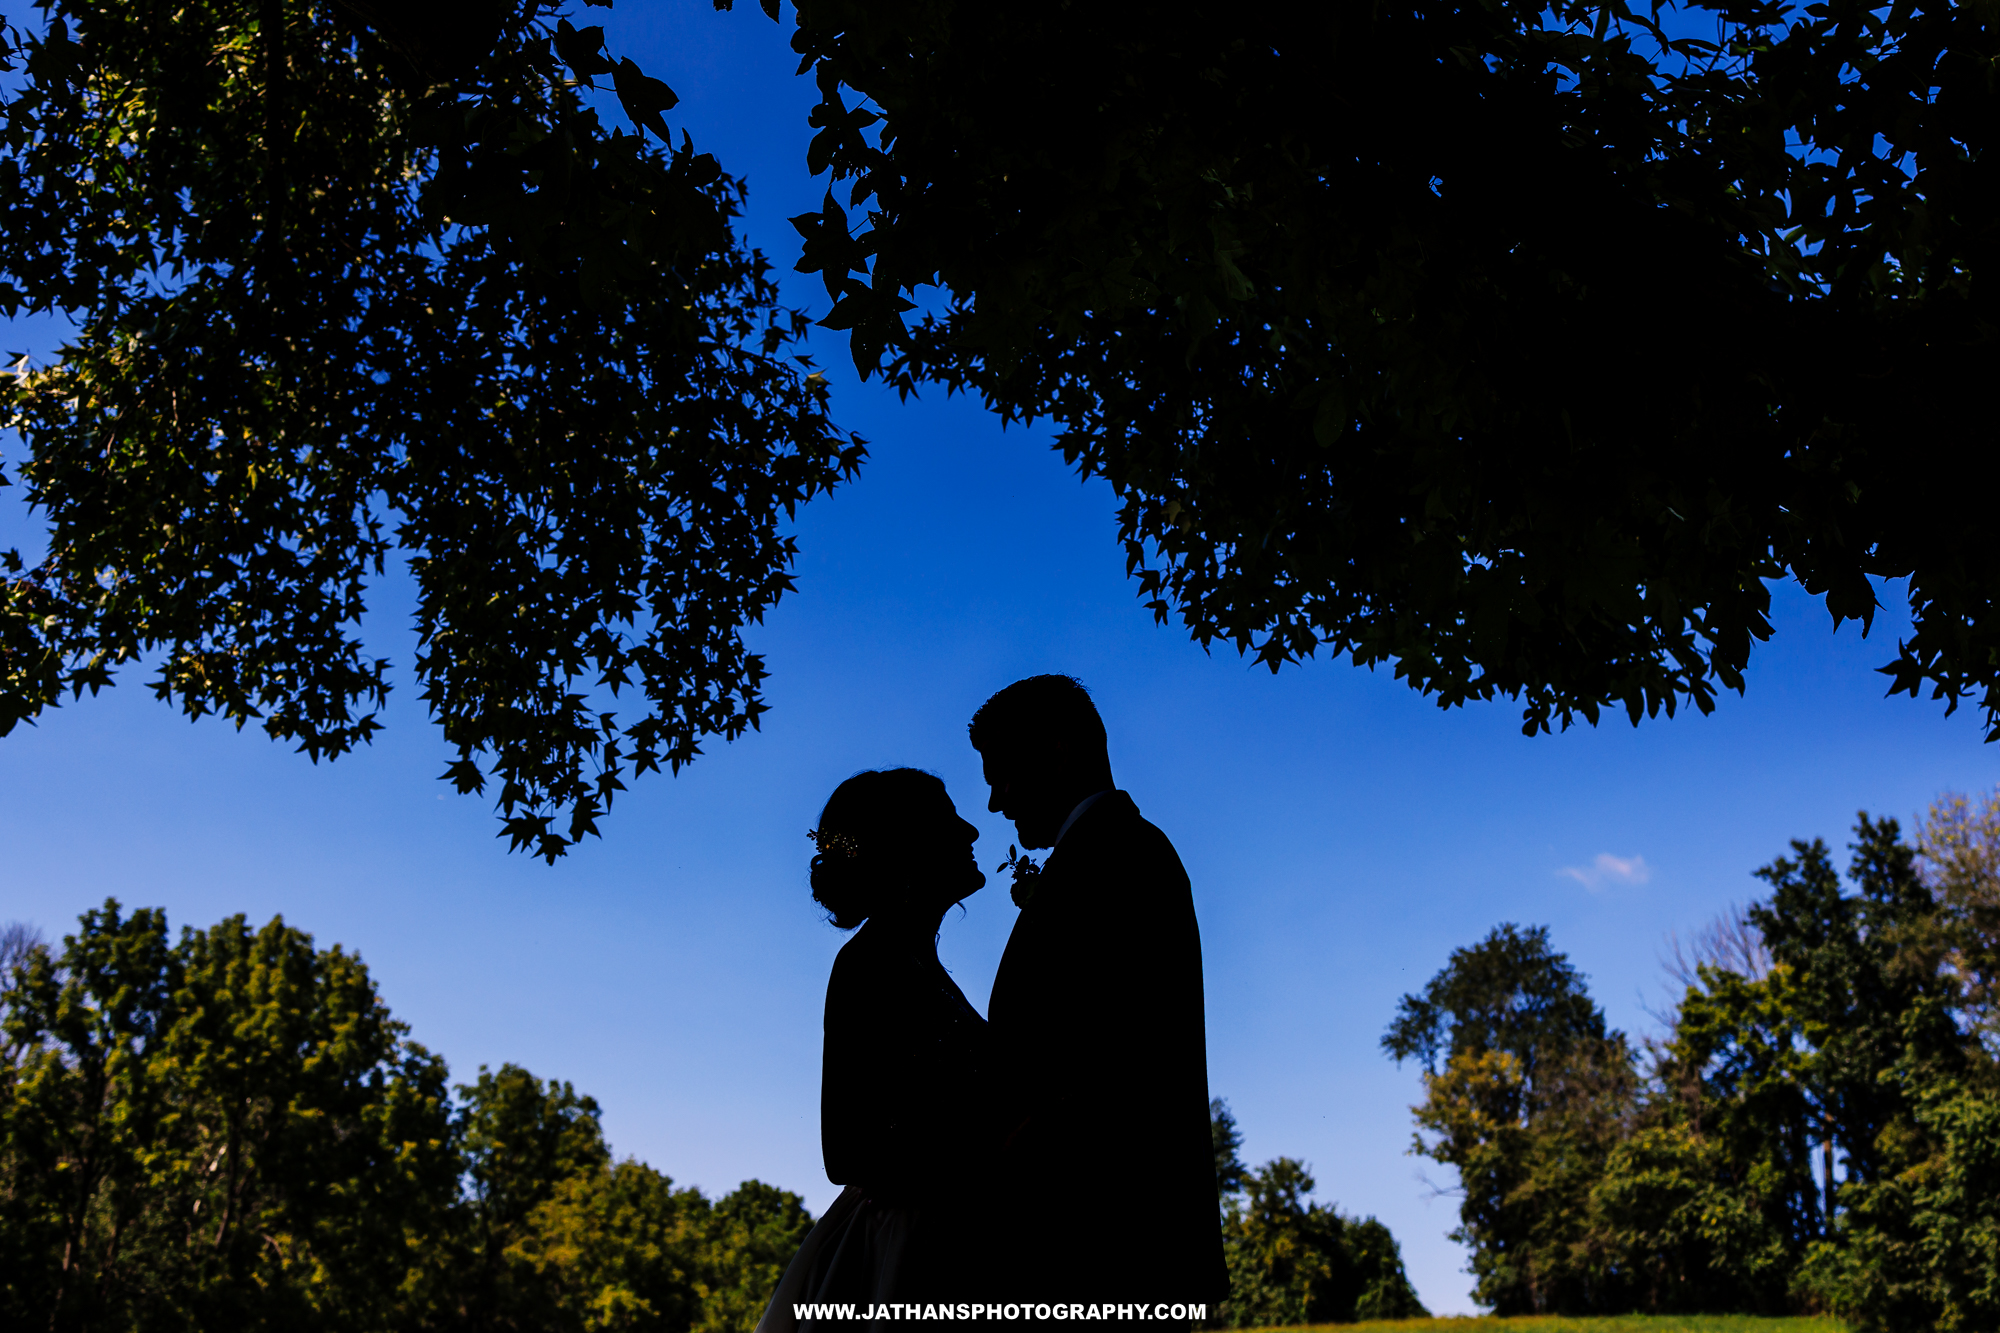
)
(1230, 1173)
(1685, 1226)
(337, 304)
(1814, 1132)
(1294, 1261)
(559, 1237)
(1376, 1260)
(1959, 845)
(1774, 1162)
(521, 1143)
(18, 945)
(1954, 1200)
(1815, 1125)
(1694, 1204)
(1741, 1044)
(1955, 1194)
(1523, 362)
(619, 1248)
(1509, 993)
(230, 1132)
(1866, 986)
(1861, 979)
(1735, 1110)
(1525, 1093)
(1914, 1240)
(751, 1235)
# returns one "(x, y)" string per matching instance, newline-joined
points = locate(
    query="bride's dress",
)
(901, 1126)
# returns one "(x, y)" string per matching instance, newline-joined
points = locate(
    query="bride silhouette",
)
(904, 1058)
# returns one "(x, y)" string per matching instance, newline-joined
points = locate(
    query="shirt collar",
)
(1077, 813)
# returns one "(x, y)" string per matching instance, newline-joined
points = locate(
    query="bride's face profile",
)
(890, 843)
(938, 863)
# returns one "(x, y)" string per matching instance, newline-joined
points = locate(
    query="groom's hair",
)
(1037, 709)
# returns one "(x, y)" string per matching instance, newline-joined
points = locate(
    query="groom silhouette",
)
(1107, 1177)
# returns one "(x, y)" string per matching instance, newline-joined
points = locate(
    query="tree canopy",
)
(332, 307)
(1510, 992)
(1517, 345)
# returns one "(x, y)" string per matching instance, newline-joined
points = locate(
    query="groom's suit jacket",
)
(1096, 1019)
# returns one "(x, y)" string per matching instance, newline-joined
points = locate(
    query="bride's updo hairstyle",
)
(864, 822)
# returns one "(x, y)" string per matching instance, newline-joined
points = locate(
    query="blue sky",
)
(1343, 834)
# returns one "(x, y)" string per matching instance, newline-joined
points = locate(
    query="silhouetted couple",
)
(1056, 1153)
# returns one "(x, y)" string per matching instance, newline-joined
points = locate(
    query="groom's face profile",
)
(1024, 792)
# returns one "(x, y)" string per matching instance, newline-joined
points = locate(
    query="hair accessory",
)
(834, 844)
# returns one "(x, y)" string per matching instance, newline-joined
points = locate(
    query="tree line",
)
(230, 1131)
(1817, 1129)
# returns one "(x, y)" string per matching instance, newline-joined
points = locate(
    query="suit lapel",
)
(1035, 941)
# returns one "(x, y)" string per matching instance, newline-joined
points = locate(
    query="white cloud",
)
(1608, 869)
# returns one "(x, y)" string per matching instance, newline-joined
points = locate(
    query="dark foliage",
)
(331, 313)
(1517, 345)
(1230, 1173)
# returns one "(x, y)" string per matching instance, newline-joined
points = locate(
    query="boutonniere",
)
(1025, 874)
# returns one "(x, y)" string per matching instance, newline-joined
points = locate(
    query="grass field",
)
(1637, 1323)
